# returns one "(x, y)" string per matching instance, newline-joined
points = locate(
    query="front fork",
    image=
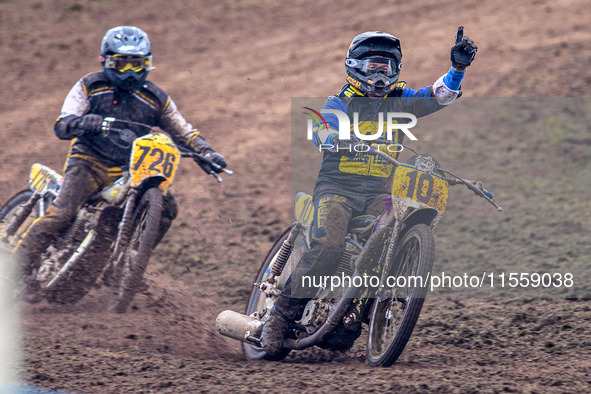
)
(392, 242)
(125, 228)
(359, 306)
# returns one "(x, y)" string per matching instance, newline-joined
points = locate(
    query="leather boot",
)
(274, 331)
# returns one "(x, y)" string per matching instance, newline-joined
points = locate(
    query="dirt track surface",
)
(232, 67)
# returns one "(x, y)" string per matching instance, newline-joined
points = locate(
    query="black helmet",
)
(126, 56)
(373, 63)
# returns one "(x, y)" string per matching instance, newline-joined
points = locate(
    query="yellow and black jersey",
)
(150, 105)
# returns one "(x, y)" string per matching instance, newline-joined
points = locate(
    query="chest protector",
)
(144, 105)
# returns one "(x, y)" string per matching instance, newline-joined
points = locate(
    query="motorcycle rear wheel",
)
(146, 225)
(256, 303)
(396, 310)
(7, 213)
(78, 281)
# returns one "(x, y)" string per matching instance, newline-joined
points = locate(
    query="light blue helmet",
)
(126, 56)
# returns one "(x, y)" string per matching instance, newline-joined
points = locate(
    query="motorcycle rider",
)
(119, 90)
(349, 182)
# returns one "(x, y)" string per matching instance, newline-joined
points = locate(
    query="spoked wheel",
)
(256, 304)
(396, 310)
(146, 225)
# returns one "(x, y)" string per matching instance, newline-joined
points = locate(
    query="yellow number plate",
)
(41, 176)
(426, 189)
(304, 208)
(154, 155)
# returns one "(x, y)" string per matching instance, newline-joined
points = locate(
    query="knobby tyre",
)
(396, 310)
(256, 303)
(146, 225)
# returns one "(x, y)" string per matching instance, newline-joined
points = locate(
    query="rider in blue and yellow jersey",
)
(351, 183)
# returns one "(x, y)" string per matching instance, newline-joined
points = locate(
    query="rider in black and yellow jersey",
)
(119, 90)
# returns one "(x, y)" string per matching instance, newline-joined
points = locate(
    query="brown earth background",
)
(233, 67)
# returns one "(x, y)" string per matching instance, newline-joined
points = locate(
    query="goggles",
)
(372, 65)
(122, 63)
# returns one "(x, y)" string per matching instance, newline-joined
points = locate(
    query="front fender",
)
(428, 216)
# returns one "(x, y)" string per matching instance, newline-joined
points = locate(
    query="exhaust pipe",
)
(241, 327)
(249, 329)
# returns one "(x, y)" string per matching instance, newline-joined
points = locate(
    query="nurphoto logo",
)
(345, 124)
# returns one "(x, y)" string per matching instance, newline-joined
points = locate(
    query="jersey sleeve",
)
(173, 122)
(75, 105)
(328, 129)
(445, 89)
(76, 102)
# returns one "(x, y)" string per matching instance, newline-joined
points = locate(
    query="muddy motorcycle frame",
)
(399, 242)
(115, 231)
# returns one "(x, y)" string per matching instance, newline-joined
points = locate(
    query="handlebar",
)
(127, 136)
(475, 186)
(186, 152)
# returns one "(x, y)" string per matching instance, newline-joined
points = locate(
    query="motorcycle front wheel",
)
(146, 226)
(395, 310)
(256, 304)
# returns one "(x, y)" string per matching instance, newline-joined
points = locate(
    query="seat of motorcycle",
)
(361, 223)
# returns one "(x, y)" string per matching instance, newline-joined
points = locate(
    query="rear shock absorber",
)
(18, 219)
(282, 256)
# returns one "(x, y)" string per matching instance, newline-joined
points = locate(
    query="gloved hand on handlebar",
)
(480, 186)
(344, 147)
(216, 158)
(88, 124)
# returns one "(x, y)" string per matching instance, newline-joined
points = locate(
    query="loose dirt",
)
(233, 67)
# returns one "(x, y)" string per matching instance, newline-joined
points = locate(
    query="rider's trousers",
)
(333, 212)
